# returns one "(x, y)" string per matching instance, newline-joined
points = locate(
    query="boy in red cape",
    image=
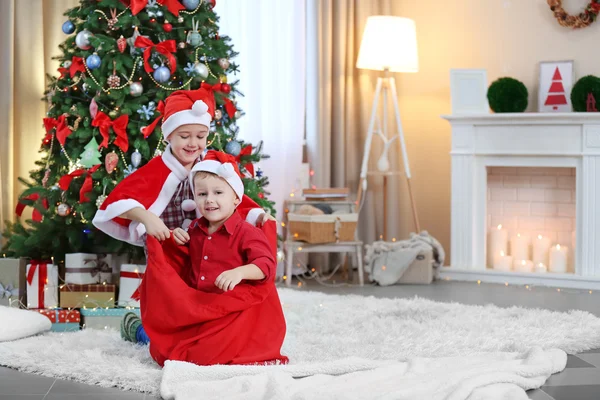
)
(223, 307)
(157, 198)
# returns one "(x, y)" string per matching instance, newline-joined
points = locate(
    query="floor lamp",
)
(389, 44)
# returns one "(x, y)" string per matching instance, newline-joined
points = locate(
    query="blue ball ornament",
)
(93, 61)
(68, 27)
(190, 4)
(161, 74)
(233, 147)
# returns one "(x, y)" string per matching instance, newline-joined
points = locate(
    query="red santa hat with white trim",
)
(223, 165)
(188, 107)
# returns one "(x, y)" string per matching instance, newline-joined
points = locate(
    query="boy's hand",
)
(263, 218)
(228, 279)
(156, 227)
(180, 236)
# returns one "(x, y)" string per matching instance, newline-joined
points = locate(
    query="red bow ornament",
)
(65, 182)
(215, 88)
(119, 126)
(77, 65)
(229, 107)
(36, 216)
(246, 151)
(147, 131)
(136, 6)
(166, 48)
(62, 130)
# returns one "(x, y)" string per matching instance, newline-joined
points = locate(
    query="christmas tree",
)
(121, 59)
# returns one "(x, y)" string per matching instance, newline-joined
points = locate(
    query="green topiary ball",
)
(584, 86)
(507, 95)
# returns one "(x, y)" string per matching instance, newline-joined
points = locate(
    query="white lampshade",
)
(389, 43)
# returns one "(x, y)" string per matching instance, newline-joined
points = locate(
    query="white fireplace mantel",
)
(523, 140)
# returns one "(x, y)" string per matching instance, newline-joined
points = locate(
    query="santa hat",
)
(223, 165)
(188, 107)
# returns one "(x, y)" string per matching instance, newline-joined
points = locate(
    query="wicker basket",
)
(328, 228)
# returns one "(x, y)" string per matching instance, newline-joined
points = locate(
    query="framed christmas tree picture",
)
(556, 81)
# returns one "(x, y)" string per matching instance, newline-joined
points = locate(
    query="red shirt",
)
(234, 244)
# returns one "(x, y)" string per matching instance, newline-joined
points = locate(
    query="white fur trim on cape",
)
(253, 215)
(198, 114)
(133, 233)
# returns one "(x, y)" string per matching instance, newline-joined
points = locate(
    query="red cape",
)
(243, 326)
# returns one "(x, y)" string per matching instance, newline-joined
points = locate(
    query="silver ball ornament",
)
(82, 40)
(63, 209)
(238, 114)
(223, 63)
(280, 256)
(136, 89)
(181, 45)
(67, 64)
(218, 114)
(159, 14)
(162, 74)
(180, 20)
(200, 70)
(233, 147)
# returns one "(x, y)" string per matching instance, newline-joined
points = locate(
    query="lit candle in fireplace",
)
(540, 268)
(523, 266)
(541, 247)
(519, 247)
(498, 242)
(503, 262)
(558, 258)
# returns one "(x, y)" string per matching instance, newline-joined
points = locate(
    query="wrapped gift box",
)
(78, 296)
(13, 282)
(130, 279)
(101, 318)
(82, 269)
(42, 285)
(63, 320)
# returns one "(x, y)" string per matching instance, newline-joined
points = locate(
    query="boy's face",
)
(188, 142)
(215, 199)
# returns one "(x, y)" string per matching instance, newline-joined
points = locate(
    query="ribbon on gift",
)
(136, 6)
(166, 48)
(246, 151)
(65, 182)
(119, 126)
(62, 130)
(36, 215)
(147, 131)
(95, 270)
(8, 291)
(135, 275)
(42, 268)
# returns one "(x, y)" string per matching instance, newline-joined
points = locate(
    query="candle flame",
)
(518, 235)
(499, 226)
(558, 247)
(502, 254)
(523, 262)
(540, 237)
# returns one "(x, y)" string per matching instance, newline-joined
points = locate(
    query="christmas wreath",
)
(582, 20)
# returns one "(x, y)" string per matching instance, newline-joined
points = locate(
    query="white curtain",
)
(270, 37)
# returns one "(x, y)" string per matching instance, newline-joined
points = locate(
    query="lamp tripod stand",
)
(385, 84)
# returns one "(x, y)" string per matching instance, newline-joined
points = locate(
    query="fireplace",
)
(526, 186)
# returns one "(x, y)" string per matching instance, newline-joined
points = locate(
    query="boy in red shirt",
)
(223, 308)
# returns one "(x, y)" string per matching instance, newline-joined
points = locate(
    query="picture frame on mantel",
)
(556, 82)
(468, 91)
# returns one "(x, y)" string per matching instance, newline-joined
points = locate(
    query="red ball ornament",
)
(261, 196)
(213, 3)
(225, 88)
(152, 20)
(167, 27)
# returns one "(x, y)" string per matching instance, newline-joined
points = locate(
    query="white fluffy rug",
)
(326, 328)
